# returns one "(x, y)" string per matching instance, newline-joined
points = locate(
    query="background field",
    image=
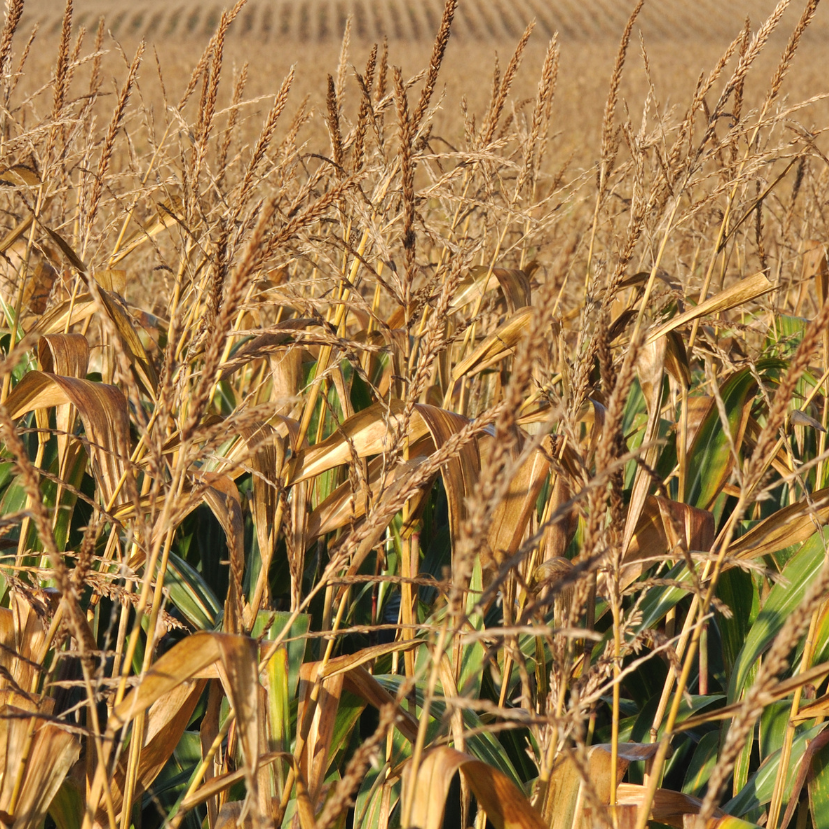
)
(289, 23)
(682, 39)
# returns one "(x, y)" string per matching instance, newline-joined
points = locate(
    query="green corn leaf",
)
(702, 764)
(773, 723)
(784, 597)
(710, 459)
(738, 590)
(819, 788)
(480, 744)
(758, 790)
(294, 641)
(190, 593)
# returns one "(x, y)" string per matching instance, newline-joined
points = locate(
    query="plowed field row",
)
(319, 21)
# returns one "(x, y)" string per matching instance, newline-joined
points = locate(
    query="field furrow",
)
(323, 21)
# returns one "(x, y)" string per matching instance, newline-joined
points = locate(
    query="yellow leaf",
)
(506, 807)
(744, 291)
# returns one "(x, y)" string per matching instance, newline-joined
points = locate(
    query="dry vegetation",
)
(445, 446)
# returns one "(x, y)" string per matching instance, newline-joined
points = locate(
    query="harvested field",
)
(291, 22)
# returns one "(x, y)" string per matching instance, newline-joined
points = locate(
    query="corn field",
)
(376, 459)
(476, 21)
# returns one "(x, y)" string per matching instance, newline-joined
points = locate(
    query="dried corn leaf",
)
(566, 802)
(668, 807)
(184, 661)
(113, 280)
(651, 368)
(166, 721)
(664, 524)
(236, 658)
(744, 291)
(460, 473)
(66, 249)
(512, 515)
(14, 725)
(19, 175)
(269, 344)
(40, 277)
(223, 498)
(268, 457)
(167, 216)
(29, 636)
(15, 233)
(67, 355)
(559, 534)
(788, 526)
(53, 753)
(505, 805)
(361, 683)
(346, 663)
(64, 354)
(815, 267)
(369, 432)
(514, 283)
(223, 782)
(65, 314)
(496, 346)
(343, 505)
(8, 650)
(143, 367)
(239, 672)
(286, 373)
(103, 411)
(316, 721)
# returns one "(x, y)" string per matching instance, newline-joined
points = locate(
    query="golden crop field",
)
(683, 39)
(292, 22)
(414, 414)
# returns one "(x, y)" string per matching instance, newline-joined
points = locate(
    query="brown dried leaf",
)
(514, 283)
(137, 354)
(40, 279)
(67, 355)
(166, 721)
(66, 314)
(460, 473)
(567, 805)
(496, 346)
(668, 807)
(512, 515)
(790, 525)
(651, 364)
(66, 249)
(656, 533)
(744, 291)
(316, 724)
(103, 411)
(557, 536)
(368, 432)
(167, 217)
(113, 280)
(505, 805)
(53, 753)
(343, 506)
(815, 266)
(268, 458)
